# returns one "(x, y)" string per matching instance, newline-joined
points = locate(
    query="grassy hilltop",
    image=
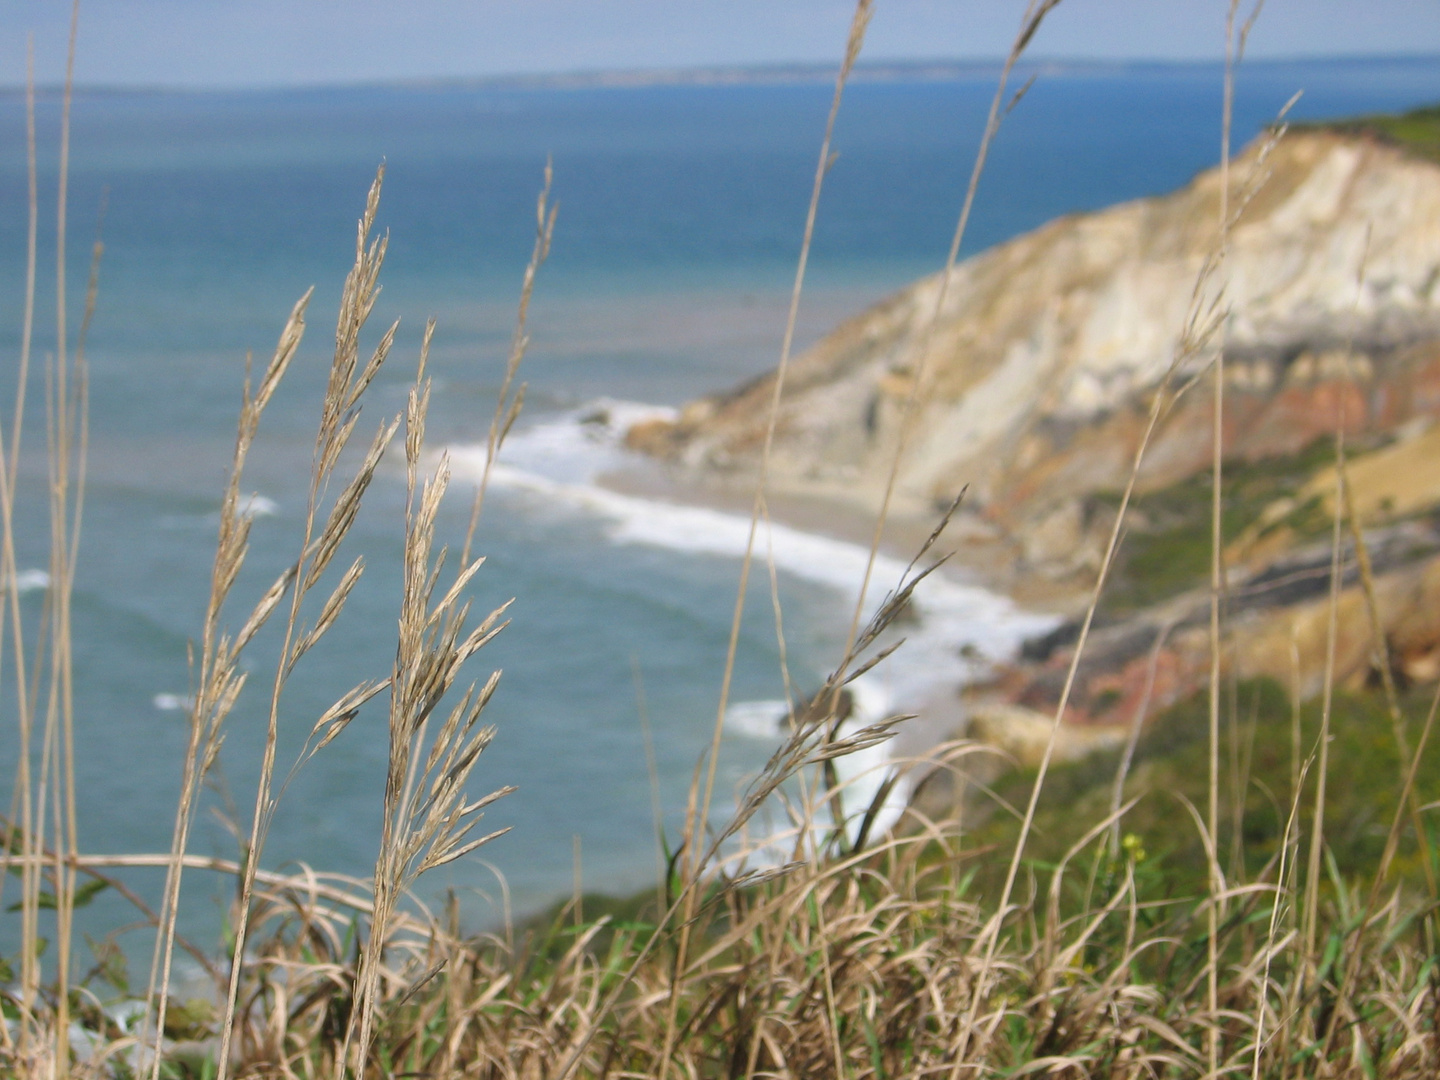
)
(1416, 131)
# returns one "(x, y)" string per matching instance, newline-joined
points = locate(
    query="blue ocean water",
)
(680, 215)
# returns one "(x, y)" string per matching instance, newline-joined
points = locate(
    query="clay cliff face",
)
(1039, 367)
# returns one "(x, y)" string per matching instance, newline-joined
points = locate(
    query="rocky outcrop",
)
(1038, 366)
(1134, 668)
(1277, 626)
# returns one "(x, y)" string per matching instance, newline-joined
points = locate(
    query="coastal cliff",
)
(1039, 364)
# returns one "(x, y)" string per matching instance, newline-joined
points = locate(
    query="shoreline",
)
(941, 712)
(978, 552)
(965, 630)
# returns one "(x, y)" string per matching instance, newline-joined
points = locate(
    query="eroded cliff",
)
(1039, 365)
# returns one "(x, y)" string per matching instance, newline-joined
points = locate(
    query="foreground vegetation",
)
(891, 964)
(1167, 549)
(895, 961)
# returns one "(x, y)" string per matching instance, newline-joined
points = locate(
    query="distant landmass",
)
(877, 71)
(874, 71)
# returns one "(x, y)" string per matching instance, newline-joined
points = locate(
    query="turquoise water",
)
(680, 215)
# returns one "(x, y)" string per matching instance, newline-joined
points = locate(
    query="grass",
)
(1169, 768)
(1416, 132)
(1103, 989)
(1167, 546)
(1284, 931)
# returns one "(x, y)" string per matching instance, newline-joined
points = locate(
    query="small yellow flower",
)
(1134, 847)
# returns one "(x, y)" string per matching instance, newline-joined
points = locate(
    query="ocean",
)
(681, 209)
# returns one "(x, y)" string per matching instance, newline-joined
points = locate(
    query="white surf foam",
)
(762, 720)
(256, 505)
(863, 773)
(251, 505)
(26, 581)
(960, 626)
(172, 702)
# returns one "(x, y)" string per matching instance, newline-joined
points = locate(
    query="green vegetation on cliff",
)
(1416, 131)
(1167, 542)
(1266, 744)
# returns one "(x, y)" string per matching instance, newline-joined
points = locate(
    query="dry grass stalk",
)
(426, 825)
(27, 839)
(1381, 660)
(1034, 16)
(1234, 52)
(697, 814)
(1409, 763)
(65, 397)
(339, 413)
(1383, 664)
(219, 678)
(45, 791)
(1137, 724)
(696, 823)
(1203, 323)
(809, 744)
(428, 820)
(1030, 23)
(507, 406)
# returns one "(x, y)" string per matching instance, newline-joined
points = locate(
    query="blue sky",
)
(214, 43)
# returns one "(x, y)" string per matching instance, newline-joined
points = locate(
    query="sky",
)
(267, 43)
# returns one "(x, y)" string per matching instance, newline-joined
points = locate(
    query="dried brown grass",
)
(877, 958)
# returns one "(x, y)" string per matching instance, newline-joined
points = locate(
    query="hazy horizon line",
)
(873, 71)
